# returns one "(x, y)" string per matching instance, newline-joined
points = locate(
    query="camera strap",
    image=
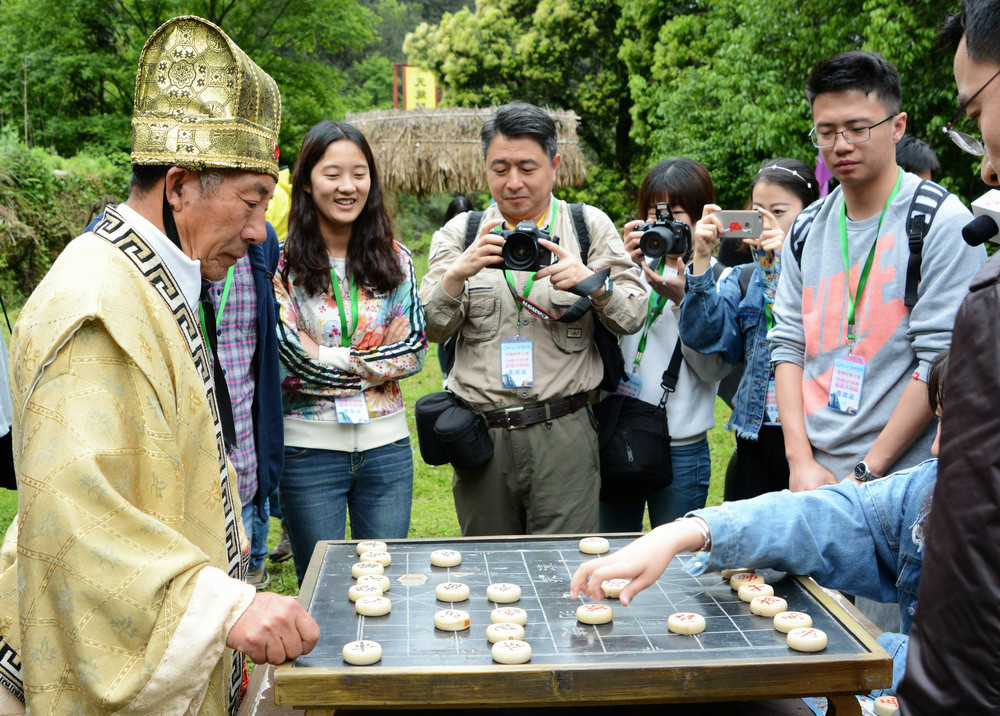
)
(575, 312)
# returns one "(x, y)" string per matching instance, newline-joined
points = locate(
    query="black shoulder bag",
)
(635, 440)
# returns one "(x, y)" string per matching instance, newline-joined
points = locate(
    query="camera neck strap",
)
(575, 312)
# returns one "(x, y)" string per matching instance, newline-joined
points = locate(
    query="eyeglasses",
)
(854, 135)
(966, 142)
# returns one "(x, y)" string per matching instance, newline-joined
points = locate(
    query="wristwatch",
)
(863, 473)
(609, 288)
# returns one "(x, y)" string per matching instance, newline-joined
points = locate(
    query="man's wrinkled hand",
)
(273, 630)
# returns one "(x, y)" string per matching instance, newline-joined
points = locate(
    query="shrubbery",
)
(45, 201)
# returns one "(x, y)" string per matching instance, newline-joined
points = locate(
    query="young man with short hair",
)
(850, 358)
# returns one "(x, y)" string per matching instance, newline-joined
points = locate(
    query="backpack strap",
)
(472, 227)
(927, 199)
(746, 273)
(800, 229)
(582, 232)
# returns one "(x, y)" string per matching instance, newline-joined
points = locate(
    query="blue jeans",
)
(692, 469)
(318, 486)
(256, 530)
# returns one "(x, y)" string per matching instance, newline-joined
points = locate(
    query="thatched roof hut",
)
(437, 150)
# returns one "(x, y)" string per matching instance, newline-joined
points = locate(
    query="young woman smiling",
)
(351, 325)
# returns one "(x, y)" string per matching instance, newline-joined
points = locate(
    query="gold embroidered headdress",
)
(201, 103)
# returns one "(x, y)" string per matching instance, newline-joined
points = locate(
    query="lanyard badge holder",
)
(351, 409)
(631, 384)
(848, 375)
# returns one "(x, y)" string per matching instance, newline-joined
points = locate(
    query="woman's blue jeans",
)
(319, 486)
(692, 469)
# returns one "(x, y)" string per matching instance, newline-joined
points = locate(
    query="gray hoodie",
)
(897, 344)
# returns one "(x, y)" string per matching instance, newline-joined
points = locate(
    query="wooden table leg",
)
(843, 705)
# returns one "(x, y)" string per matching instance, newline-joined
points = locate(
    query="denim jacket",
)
(863, 539)
(715, 320)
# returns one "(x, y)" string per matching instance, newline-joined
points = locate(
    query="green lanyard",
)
(345, 335)
(656, 304)
(222, 305)
(854, 300)
(531, 279)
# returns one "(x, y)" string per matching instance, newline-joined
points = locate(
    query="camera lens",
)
(520, 252)
(656, 242)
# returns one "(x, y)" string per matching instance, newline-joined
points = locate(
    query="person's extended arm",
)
(804, 473)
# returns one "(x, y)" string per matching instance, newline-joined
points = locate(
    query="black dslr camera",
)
(664, 237)
(521, 250)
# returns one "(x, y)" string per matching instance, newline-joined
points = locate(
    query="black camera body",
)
(521, 250)
(664, 237)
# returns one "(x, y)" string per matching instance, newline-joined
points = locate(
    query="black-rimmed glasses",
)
(966, 142)
(853, 135)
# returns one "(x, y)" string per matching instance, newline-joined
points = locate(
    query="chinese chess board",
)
(636, 638)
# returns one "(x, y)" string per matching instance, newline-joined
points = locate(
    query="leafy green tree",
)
(555, 53)
(68, 66)
(730, 80)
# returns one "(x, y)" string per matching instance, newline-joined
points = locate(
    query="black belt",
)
(524, 415)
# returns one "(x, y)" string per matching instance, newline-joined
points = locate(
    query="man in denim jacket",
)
(865, 539)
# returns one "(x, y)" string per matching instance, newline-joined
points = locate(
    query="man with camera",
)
(526, 372)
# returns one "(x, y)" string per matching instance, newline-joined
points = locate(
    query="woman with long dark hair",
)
(731, 317)
(351, 325)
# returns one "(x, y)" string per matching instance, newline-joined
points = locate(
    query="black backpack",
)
(927, 199)
(605, 340)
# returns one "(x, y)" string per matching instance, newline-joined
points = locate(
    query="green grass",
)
(433, 513)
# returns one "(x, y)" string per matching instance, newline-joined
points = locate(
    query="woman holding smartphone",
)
(685, 187)
(730, 318)
(351, 325)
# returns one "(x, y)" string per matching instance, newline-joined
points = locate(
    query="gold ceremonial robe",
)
(129, 547)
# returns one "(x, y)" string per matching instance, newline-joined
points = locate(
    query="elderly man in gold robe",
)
(125, 594)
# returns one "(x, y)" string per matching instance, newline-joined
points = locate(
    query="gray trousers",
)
(543, 479)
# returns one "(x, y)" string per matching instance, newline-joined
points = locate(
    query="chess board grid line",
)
(534, 588)
(718, 604)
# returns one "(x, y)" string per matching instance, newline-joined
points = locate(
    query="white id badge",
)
(771, 403)
(517, 367)
(845, 385)
(629, 386)
(351, 409)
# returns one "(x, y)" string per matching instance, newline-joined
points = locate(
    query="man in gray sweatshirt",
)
(850, 358)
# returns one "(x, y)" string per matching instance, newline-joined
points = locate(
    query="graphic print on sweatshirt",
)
(824, 318)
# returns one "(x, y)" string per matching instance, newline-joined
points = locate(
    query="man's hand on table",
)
(273, 630)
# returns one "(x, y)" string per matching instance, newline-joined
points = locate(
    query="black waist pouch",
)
(464, 436)
(426, 412)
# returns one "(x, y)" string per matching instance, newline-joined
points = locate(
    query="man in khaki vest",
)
(545, 473)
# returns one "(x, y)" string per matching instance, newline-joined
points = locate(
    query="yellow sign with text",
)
(419, 88)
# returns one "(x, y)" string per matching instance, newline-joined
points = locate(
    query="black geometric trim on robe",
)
(11, 677)
(116, 230)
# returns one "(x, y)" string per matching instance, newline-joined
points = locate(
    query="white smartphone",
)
(741, 224)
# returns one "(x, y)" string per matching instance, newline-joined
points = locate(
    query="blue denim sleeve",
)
(896, 645)
(844, 536)
(708, 321)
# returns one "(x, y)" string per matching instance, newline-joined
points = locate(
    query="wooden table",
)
(632, 660)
